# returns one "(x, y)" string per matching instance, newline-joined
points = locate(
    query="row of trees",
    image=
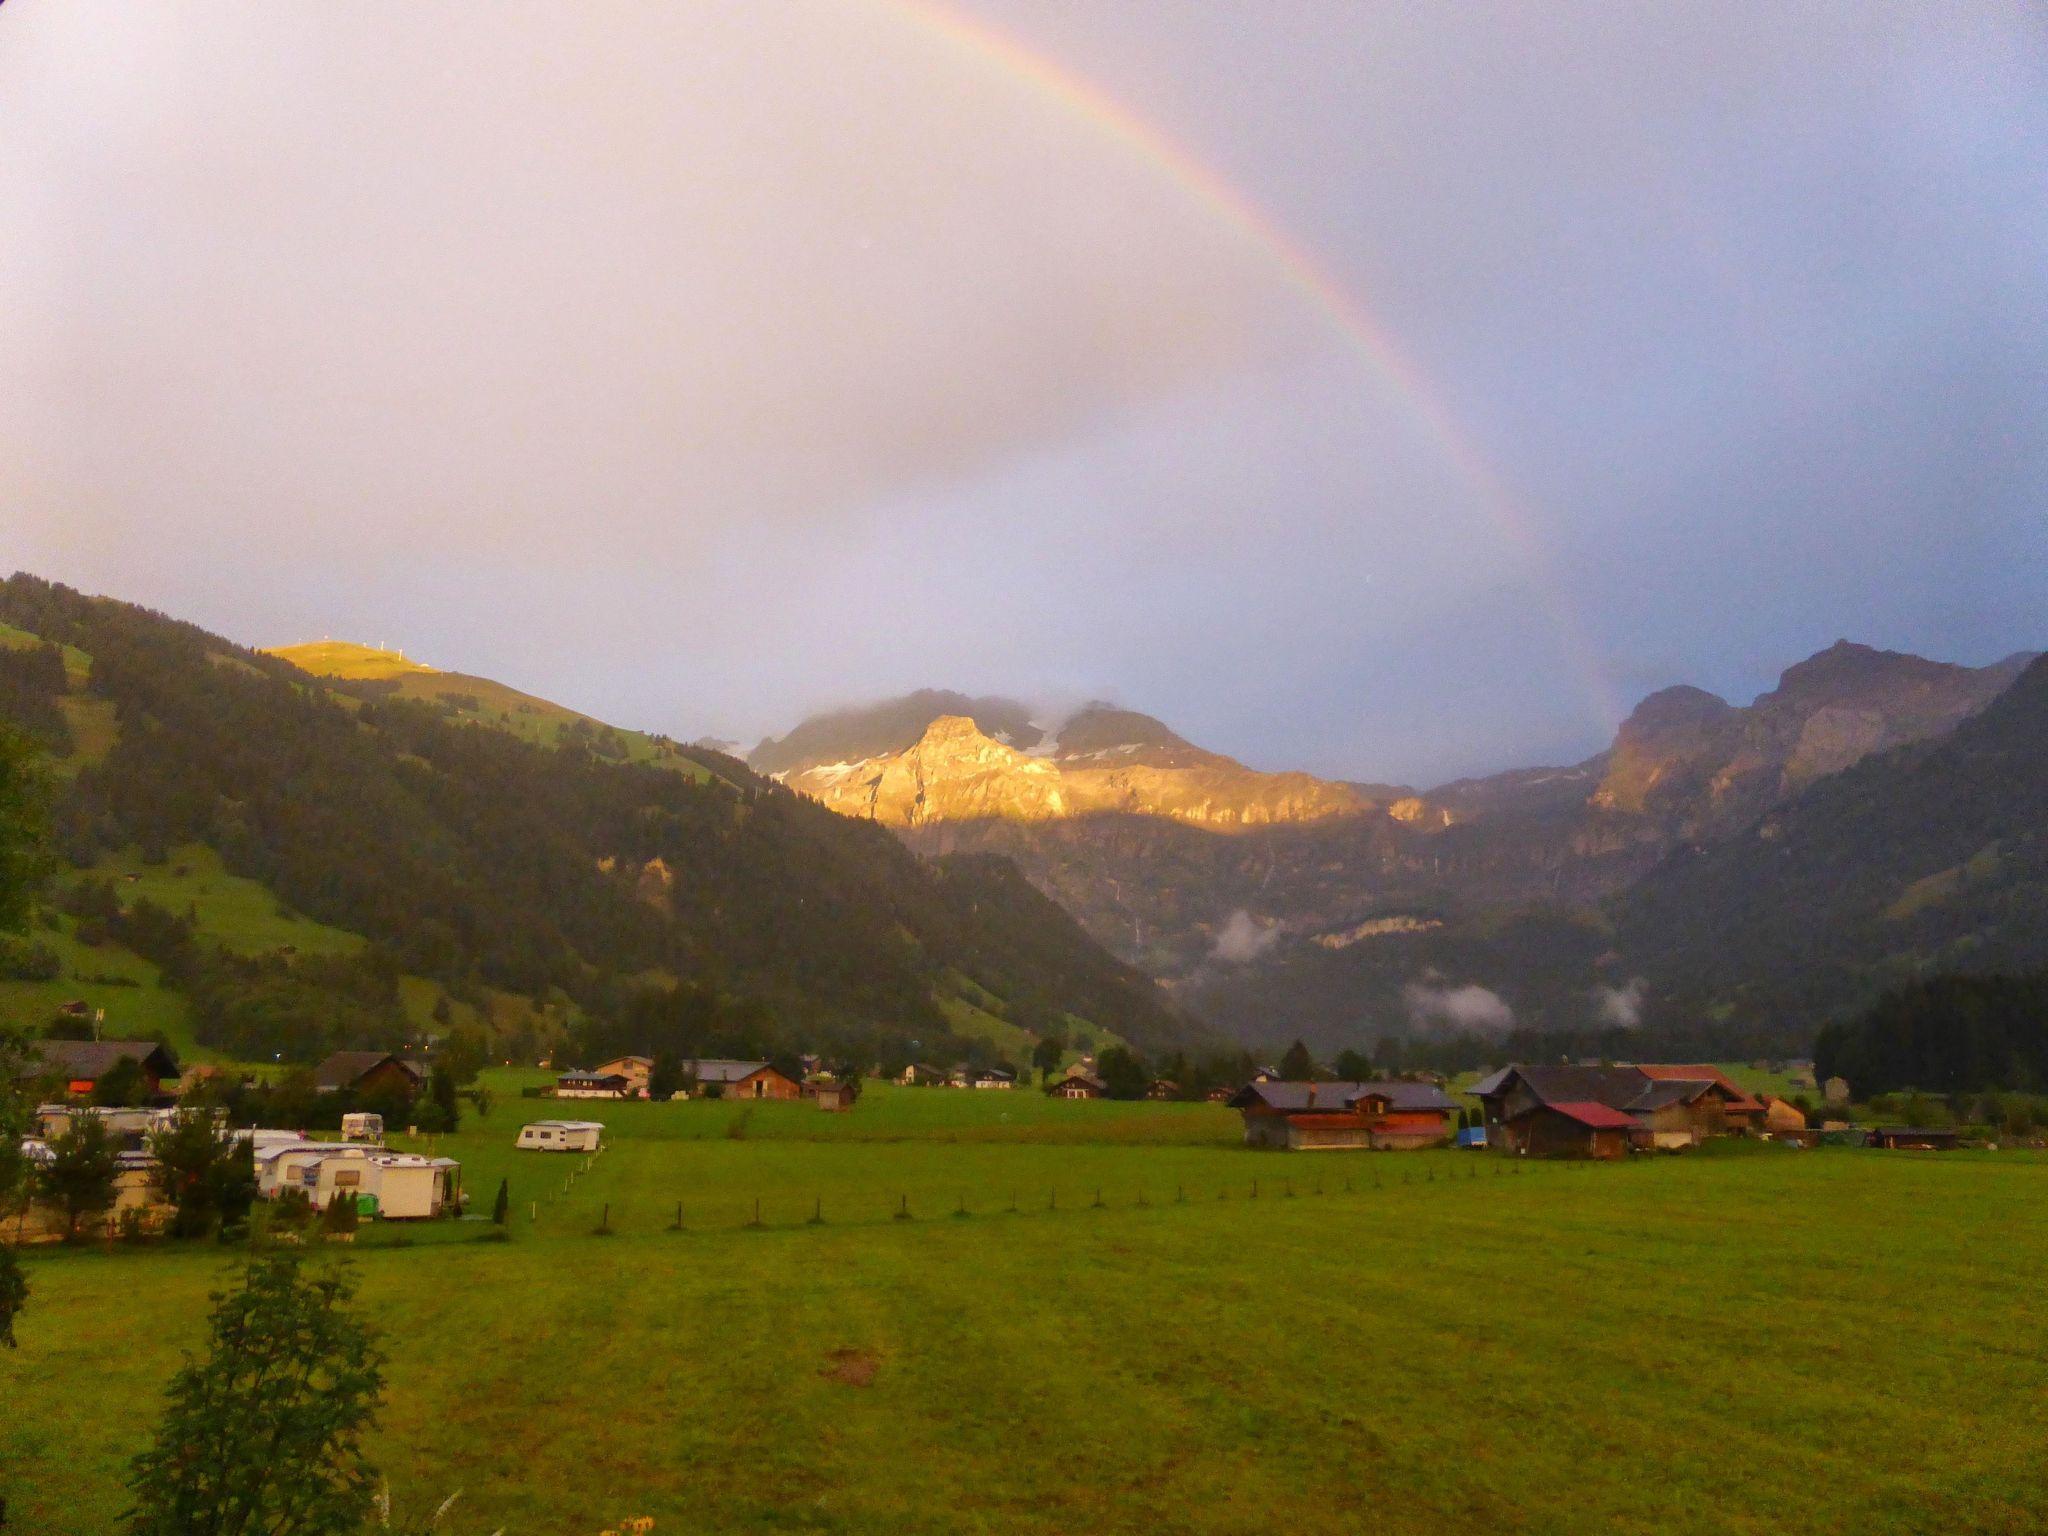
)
(1946, 1034)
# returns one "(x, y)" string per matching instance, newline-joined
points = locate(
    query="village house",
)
(742, 1080)
(592, 1085)
(80, 1064)
(1348, 1116)
(1741, 1112)
(994, 1077)
(1076, 1084)
(1162, 1090)
(634, 1069)
(922, 1075)
(369, 1072)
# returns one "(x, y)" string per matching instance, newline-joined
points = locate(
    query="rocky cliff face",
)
(1102, 761)
(1156, 844)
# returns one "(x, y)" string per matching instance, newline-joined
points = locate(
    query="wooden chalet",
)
(80, 1064)
(593, 1085)
(1371, 1116)
(1741, 1112)
(1076, 1084)
(720, 1079)
(1575, 1128)
(1162, 1090)
(634, 1069)
(922, 1075)
(836, 1097)
(369, 1071)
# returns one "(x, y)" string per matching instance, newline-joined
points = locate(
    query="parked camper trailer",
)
(363, 1126)
(408, 1186)
(561, 1135)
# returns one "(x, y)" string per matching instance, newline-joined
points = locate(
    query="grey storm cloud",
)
(705, 364)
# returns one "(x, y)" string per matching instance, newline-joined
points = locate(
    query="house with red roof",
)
(1601, 1111)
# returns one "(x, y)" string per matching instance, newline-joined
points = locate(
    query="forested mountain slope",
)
(1930, 857)
(472, 856)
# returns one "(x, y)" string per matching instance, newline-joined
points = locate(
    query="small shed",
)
(836, 1097)
(1908, 1138)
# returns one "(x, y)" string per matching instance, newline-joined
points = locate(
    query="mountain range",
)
(1282, 903)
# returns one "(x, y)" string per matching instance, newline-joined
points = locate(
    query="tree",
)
(266, 1433)
(121, 1086)
(79, 1177)
(665, 1077)
(22, 865)
(208, 1180)
(1123, 1074)
(1048, 1052)
(1353, 1066)
(501, 1208)
(1297, 1066)
(441, 1110)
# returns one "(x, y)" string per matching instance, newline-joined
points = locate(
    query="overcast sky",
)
(702, 364)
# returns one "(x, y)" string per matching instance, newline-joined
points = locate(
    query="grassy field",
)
(1761, 1340)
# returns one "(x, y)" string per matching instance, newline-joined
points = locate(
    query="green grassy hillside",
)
(480, 701)
(342, 857)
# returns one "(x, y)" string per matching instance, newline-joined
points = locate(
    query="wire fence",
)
(790, 1210)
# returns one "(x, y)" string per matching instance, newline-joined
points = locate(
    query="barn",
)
(1371, 1116)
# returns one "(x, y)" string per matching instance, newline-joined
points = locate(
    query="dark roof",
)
(1615, 1087)
(725, 1071)
(92, 1058)
(1077, 1075)
(344, 1069)
(592, 1077)
(1737, 1097)
(1489, 1084)
(1336, 1098)
(1662, 1094)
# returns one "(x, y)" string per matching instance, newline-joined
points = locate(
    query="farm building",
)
(561, 1135)
(634, 1069)
(369, 1072)
(742, 1080)
(1076, 1084)
(1742, 1112)
(592, 1085)
(1573, 1128)
(1374, 1116)
(836, 1097)
(1906, 1138)
(993, 1077)
(1781, 1118)
(80, 1064)
(920, 1075)
(1162, 1090)
(1667, 1107)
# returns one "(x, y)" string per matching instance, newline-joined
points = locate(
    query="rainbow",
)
(1307, 275)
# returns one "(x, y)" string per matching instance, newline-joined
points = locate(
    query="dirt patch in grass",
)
(851, 1367)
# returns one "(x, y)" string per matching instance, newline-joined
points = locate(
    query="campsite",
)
(1230, 1338)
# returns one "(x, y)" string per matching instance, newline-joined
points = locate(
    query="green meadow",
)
(1747, 1339)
